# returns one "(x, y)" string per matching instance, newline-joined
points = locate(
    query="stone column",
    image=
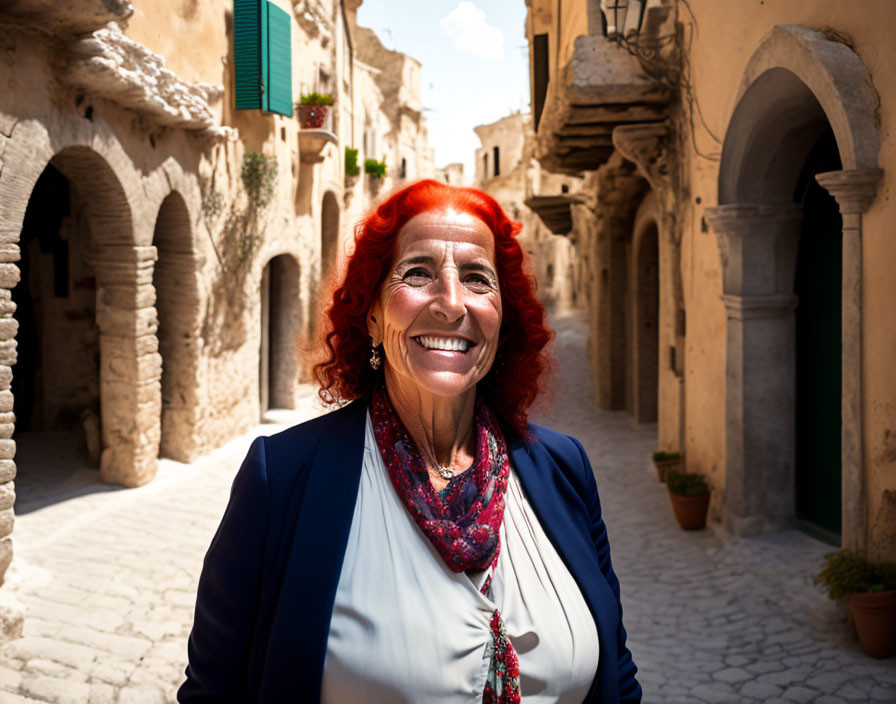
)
(758, 247)
(11, 612)
(854, 192)
(130, 364)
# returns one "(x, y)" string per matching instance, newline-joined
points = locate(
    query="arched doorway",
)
(109, 287)
(278, 351)
(817, 286)
(646, 304)
(806, 105)
(56, 378)
(177, 303)
(329, 234)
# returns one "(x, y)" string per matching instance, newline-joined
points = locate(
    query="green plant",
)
(687, 484)
(259, 176)
(351, 162)
(661, 456)
(315, 99)
(375, 168)
(847, 572)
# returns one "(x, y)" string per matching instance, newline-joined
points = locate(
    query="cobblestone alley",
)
(108, 579)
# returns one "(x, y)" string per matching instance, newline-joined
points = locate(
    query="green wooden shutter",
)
(278, 93)
(248, 18)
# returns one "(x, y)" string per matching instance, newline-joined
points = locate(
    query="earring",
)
(375, 359)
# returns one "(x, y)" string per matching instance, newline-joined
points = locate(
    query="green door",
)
(818, 350)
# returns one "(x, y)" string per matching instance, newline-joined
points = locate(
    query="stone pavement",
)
(108, 577)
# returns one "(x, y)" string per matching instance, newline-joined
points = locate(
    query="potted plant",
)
(689, 494)
(352, 170)
(375, 168)
(664, 461)
(377, 172)
(313, 108)
(870, 589)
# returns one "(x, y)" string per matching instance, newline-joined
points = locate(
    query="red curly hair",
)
(513, 383)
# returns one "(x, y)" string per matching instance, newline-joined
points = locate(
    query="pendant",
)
(445, 473)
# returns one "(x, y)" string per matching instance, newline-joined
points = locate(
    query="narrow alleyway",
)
(108, 579)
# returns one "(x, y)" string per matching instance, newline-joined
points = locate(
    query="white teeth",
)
(450, 344)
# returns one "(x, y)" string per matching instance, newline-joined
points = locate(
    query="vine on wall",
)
(240, 222)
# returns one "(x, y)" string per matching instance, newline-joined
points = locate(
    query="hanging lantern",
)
(617, 15)
(616, 12)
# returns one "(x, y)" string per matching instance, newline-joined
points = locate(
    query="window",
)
(497, 161)
(404, 168)
(539, 74)
(262, 57)
(369, 140)
(485, 166)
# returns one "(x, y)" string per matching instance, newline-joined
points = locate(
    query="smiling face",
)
(438, 315)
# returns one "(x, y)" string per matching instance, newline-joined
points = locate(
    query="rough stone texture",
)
(709, 618)
(67, 18)
(109, 64)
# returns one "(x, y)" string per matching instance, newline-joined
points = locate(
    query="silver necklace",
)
(445, 472)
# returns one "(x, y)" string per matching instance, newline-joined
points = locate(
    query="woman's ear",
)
(374, 329)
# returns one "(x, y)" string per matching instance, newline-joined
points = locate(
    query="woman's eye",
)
(417, 275)
(478, 282)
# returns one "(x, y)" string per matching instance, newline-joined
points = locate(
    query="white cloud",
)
(467, 27)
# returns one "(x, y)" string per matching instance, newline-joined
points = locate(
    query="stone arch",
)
(280, 331)
(645, 311)
(798, 86)
(796, 82)
(126, 320)
(177, 305)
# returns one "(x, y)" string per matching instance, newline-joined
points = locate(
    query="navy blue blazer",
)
(269, 580)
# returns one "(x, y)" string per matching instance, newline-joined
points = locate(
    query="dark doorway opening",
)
(818, 348)
(278, 361)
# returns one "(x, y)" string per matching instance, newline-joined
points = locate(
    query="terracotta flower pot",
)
(663, 466)
(690, 511)
(312, 116)
(875, 617)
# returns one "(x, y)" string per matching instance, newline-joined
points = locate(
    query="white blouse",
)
(406, 628)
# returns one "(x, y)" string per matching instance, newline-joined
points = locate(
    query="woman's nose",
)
(448, 299)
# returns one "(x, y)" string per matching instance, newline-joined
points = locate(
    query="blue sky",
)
(475, 63)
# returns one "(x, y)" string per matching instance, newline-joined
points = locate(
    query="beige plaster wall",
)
(728, 35)
(572, 20)
(190, 34)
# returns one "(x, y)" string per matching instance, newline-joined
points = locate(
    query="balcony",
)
(554, 211)
(603, 86)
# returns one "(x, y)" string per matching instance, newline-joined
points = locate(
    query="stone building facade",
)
(452, 174)
(736, 160)
(163, 254)
(505, 168)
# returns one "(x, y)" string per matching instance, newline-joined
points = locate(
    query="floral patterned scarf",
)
(464, 522)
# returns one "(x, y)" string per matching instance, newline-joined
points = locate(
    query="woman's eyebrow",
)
(426, 259)
(479, 266)
(419, 259)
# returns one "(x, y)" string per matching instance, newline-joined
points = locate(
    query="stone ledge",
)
(602, 87)
(312, 143)
(554, 211)
(111, 65)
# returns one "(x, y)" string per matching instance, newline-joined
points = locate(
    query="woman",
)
(423, 543)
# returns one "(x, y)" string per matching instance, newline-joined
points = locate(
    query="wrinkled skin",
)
(442, 284)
